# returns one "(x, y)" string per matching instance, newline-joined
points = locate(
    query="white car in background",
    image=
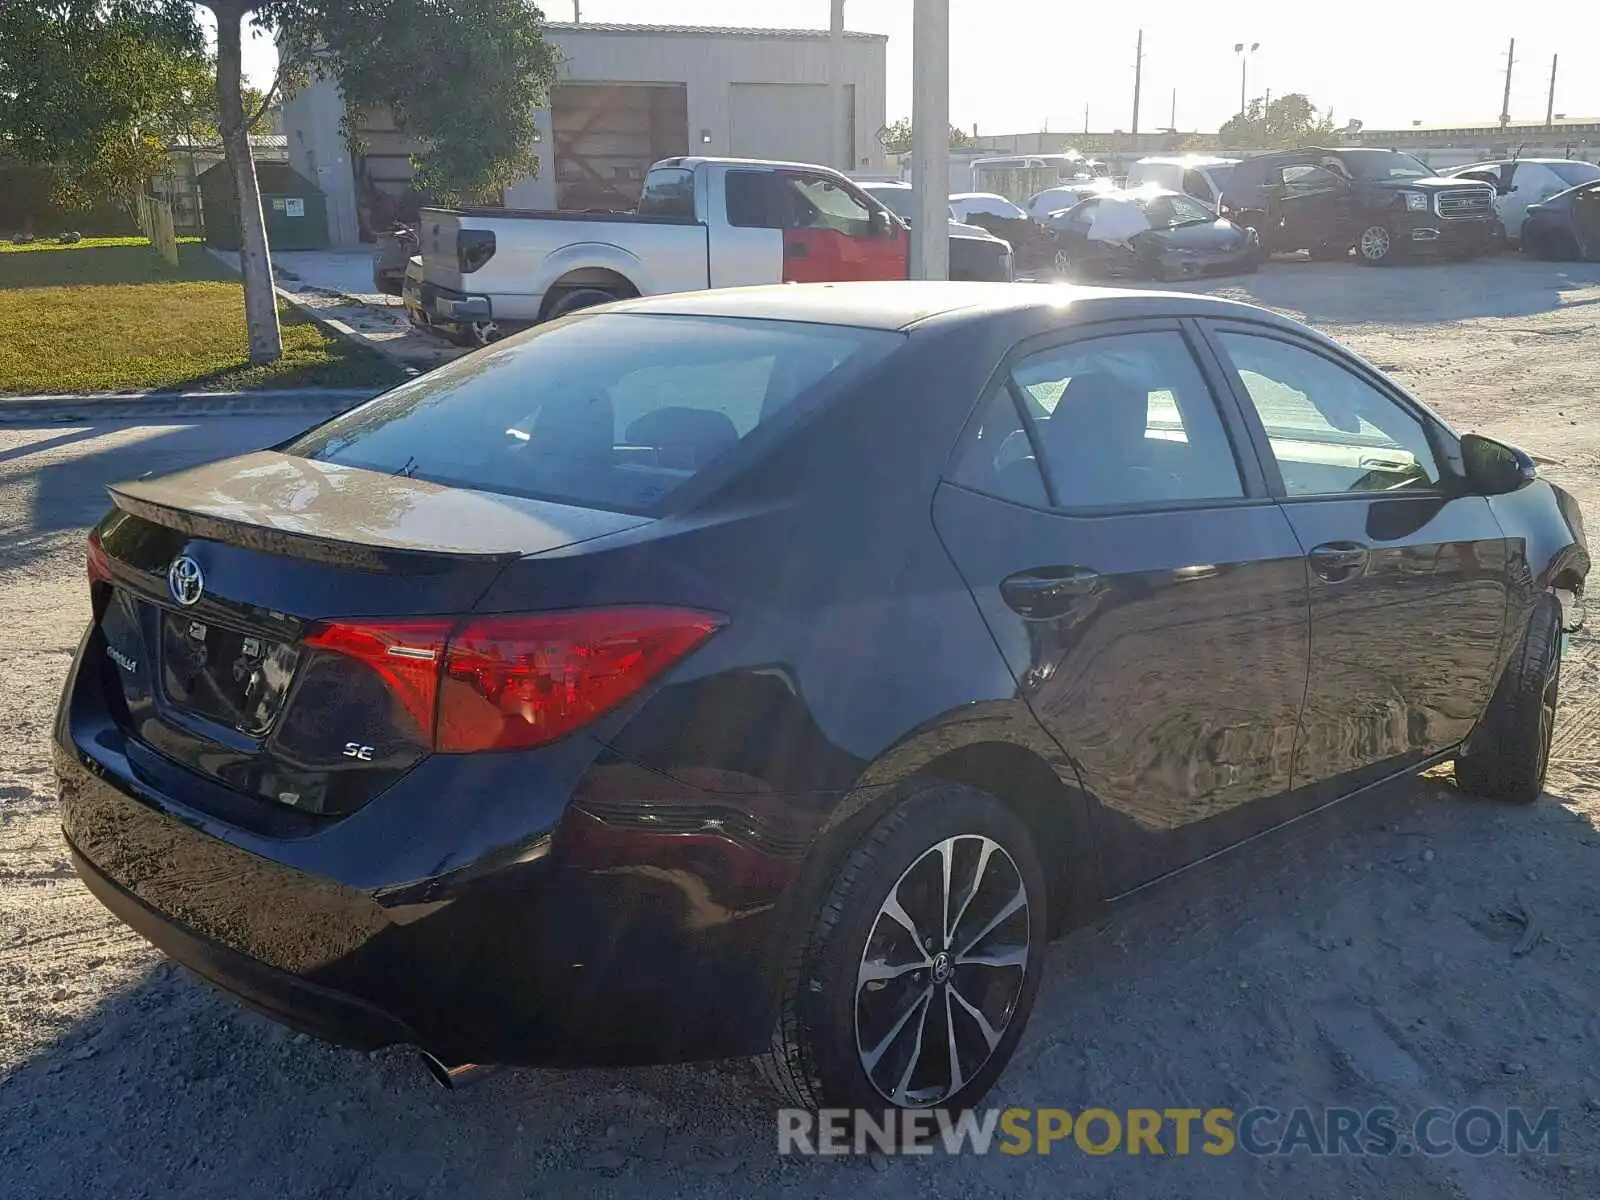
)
(1519, 182)
(1198, 175)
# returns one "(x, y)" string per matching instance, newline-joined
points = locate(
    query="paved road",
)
(1360, 959)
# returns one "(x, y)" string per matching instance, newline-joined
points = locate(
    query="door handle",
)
(1334, 562)
(1047, 592)
(797, 250)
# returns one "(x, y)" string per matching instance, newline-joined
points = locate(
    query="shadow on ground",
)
(1359, 958)
(52, 484)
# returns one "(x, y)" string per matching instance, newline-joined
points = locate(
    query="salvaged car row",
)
(476, 274)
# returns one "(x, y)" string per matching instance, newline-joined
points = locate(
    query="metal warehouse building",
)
(627, 96)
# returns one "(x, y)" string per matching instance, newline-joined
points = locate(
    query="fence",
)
(155, 220)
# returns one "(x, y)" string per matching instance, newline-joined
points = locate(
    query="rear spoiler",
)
(384, 559)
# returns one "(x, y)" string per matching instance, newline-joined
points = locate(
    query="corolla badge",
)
(185, 580)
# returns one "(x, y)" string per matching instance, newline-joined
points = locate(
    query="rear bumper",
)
(475, 909)
(445, 306)
(288, 999)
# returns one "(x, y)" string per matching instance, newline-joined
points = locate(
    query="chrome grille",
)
(1459, 203)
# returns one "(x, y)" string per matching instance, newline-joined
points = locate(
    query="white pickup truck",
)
(701, 223)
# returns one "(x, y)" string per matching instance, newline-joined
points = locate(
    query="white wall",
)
(710, 64)
(317, 150)
(713, 65)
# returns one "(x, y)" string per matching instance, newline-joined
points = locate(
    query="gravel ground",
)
(1409, 948)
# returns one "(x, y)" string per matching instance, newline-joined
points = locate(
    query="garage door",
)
(780, 120)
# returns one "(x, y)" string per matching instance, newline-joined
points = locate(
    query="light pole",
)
(930, 139)
(836, 124)
(1244, 67)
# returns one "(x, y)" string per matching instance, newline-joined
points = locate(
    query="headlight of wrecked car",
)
(1417, 201)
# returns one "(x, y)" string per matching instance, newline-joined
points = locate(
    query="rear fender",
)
(595, 256)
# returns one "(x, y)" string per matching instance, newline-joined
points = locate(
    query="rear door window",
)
(611, 410)
(752, 200)
(1127, 420)
(668, 192)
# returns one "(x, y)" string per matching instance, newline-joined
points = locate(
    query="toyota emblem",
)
(185, 580)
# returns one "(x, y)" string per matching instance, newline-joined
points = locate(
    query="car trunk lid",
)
(225, 580)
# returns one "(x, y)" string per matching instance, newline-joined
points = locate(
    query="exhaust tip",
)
(435, 1068)
(452, 1078)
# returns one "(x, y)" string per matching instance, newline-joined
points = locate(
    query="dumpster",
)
(295, 209)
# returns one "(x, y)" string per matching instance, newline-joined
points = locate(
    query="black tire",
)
(584, 297)
(1508, 754)
(1376, 245)
(815, 1060)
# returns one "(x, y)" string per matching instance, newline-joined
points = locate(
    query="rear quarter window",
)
(607, 410)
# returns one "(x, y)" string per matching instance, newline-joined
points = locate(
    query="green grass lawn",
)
(110, 315)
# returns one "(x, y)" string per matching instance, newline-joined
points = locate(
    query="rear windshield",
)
(605, 410)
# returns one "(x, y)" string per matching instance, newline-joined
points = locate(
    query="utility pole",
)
(1086, 120)
(930, 138)
(836, 124)
(1172, 121)
(1505, 103)
(577, 12)
(1138, 78)
(1550, 108)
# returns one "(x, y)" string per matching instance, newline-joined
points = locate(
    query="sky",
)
(1023, 65)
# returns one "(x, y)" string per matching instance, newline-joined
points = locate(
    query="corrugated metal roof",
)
(700, 30)
(268, 141)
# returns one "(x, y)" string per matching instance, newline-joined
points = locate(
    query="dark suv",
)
(1386, 204)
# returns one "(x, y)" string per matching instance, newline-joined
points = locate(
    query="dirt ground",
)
(1410, 948)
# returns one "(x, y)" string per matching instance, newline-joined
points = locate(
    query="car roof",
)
(903, 304)
(1187, 160)
(690, 161)
(884, 183)
(979, 196)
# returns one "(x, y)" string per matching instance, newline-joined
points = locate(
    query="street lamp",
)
(1244, 66)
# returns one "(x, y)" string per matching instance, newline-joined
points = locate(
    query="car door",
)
(1315, 207)
(1407, 572)
(1147, 594)
(829, 234)
(1533, 183)
(1586, 221)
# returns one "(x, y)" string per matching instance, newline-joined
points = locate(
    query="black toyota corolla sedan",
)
(773, 671)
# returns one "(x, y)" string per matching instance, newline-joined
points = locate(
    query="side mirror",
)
(1494, 468)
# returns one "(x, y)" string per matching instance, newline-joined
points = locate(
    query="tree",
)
(1287, 122)
(898, 138)
(463, 76)
(89, 91)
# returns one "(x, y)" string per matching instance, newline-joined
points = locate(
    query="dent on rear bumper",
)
(598, 941)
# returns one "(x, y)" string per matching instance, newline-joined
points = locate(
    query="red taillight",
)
(511, 682)
(406, 654)
(99, 562)
(514, 682)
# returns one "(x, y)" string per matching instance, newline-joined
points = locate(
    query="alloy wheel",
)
(1375, 242)
(485, 333)
(942, 971)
